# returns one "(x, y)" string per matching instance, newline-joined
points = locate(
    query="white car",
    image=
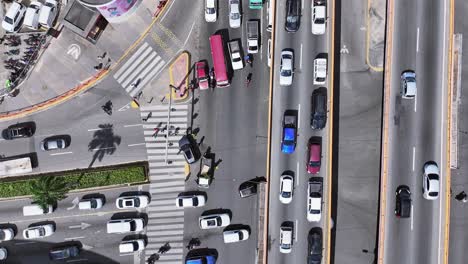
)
(232, 236)
(286, 188)
(31, 17)
(318, 17)
(408, 84)
(314, 201)
(285, 239)
(190, 200)
(214, 220)
(137, 201)
(48, 13)
(431, 183)
(234, 14)
(210, 11)
(130, 246)
(39, 231)
(12, 19)
(286, 67)
(320, 71)
(6, 234)
(235, 54)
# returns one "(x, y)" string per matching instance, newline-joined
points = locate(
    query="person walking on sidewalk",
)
(462, 197)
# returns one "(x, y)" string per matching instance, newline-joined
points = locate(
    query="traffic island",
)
(179, 74)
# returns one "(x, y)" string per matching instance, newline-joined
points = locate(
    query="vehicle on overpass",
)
(319, 8)
(314, 199)
(408, 84)
(403, 202)
(315, 240)
(252, 36)
(235, 54)
(219, 61)
(17, 166)
(289, 137)
(255, 4)
(320, 71)
(208, 259)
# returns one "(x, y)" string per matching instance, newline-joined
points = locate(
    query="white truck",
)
(235, 54)
(252, 36)
(320, 71)
(314, 199)
(15, 167)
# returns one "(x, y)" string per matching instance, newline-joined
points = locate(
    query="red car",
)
(202, 75)
(315, 156)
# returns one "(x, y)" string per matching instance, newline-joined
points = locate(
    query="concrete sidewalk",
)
(57, 72)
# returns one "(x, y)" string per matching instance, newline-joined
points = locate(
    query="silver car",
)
(286, 67)
(234, 14)
(53, 143)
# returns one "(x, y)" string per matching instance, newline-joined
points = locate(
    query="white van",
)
(233, 236)
(31, 18)
(130, 246)
(35, 209)
(270, 17)
(121, 226)
(48, 13)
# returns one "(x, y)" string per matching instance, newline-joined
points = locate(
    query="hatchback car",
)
(210, 11)
(318, 17)
(65, 252)
(53, 143)
(286, 188)
(286, 67)
(189, 148)
(18, 131)
(315, 240)
(247, 189)
(318, 117)
(137, 201)
(202, 75)
(6, 234)
(408, 84)
(39, 231)
(431, 183)
(214, 220)
(48, 13)
(190, 200)
(314, 156)
(293, 15)
(286, 238)
(234, 14)
(13, 17)
(403, 201)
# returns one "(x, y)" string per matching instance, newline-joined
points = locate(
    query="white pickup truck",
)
(252, 36)
(320, 71)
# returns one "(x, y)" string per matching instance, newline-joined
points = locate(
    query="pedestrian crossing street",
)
(165, 220)
(139, 70)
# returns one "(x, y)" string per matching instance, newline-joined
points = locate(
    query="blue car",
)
(288, 139)
(201, 260)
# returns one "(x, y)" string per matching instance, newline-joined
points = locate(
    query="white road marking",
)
(74, 238)
(97, 149)
(412, 217)
(133, 125)
(297, 174)
(414, 155)
(61, 153)
(190, 32)
(125, 107)
(137, 144)
(298, 115)
(300, 59)
(94, 129)
(417, 40)
(261, 34)
(295, 231)
(302, 4)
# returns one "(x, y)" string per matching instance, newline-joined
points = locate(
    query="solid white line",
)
(96, 149)
(295, 229)
(137, 144)
(412, 217)
(190, 32)
(297, 174)
(62, 153)
(414, 155)
(74, 238)
(417, 40)
(133, 125)
(302, 4)
(261, 34)
(300, 59)
(298, 116)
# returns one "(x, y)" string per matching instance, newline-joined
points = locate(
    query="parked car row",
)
(318, 19)
(34, 16)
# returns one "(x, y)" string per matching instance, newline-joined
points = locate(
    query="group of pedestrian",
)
(101, 65)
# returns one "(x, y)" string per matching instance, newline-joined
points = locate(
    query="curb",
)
(174, 95)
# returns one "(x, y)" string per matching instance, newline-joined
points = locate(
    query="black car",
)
(403, 201)
(293, 14)
(247, 189)
(65, 252)
(18, 131)
(318, 118)
(315, 246)
(188, 146)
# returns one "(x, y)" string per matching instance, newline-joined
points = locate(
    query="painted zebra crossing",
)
(139, 70)
(167, 180)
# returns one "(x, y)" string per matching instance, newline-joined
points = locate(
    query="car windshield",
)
(194, 201)
(41, 231)
(235, 16)
(433, 194)
(314, 163)
(285, 194)
(285, 73)
(132, 225)
(93, 203)
(211, 222)
(314, 211)
(291, 19)
(319, 21)
(9, 20)
(210, 11)
(433, 177)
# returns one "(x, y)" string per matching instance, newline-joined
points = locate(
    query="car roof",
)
(287, 182)
(13, 9)
(320, 11)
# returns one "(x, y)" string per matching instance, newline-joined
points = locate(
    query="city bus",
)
(15, 166)
(219, 61)
(255, 4)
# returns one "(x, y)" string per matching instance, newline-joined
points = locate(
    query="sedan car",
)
(286, 238)
(318, 117)
(314, 159)
(137, 201)
(315, 240)
(234, 14)
(431, 184)
(6, 234)
(18, 131)
(190, 200)
(320, 71)
(286, 67)
(202, 75)
(38, 231)
(408, 84)
(289, 135)
(13, 17)
(318, 17)
(214, 220)
(48, 13)
(65, 252)
(247, 189)
(53, 143)
(210, 11)
(403, 202)
(189, 148)
(293, 15)
(286, 188)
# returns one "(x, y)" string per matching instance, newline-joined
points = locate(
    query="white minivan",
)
(31, 18)
(35, 209)
(121, 226)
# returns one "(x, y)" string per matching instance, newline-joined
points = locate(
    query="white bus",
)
(15, 166)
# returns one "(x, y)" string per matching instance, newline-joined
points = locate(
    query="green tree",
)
(48, 190)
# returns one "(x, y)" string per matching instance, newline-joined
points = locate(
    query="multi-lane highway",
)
(416, 130)
(297, 97)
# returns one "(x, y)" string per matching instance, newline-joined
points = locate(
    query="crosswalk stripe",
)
(165, 214)
(167, 184)
(165, 227)
(164, 196)
(157, 178)
(148, 108)
(165, 233)
(165, 239)
(130, 61)
(172, 245)
(159, 202)
(172, 254)
(130, 67)
(147, 68)
(167, 220)
(154, 72)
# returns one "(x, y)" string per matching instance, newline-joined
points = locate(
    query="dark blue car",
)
(201, 260)
(288, 139)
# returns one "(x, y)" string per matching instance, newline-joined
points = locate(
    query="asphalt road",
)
(296, 97)
(417, 130)
(232, 122)
(85, 227)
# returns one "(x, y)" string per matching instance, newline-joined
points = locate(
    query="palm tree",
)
(48, 190)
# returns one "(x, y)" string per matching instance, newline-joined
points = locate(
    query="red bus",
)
(219, 62)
